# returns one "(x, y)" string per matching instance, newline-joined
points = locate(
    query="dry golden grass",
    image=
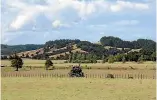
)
(77, 89)
(60, 63)
(63, 54)
(31, 52)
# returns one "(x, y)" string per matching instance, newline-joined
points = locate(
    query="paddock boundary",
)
(59, 75)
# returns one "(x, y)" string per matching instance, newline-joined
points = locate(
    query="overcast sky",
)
(37, 21)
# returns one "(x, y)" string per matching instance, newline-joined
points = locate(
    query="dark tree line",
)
(115, 42)
(93, 49)
(61, 43)
(145, 44)
(82, 58)
(99, 50)
(10, 49)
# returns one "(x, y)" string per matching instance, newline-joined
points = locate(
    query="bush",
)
(87, 67)
(111, 59)
(130, 77)
(76, 71)
(48, 63)
(110, 76)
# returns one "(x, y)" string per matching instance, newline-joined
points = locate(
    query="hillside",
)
(119, 43)
(9, 49)
(64, 48)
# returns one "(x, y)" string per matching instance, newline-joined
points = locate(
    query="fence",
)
(60, 75)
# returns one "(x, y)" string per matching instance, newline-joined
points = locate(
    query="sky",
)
(38, 21)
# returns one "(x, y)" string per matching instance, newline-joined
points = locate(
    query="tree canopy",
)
(16, 62)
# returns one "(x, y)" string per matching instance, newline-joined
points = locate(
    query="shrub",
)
(48, 63)
(110, 76)
(123, 60)
(76, 71)
(111, 59)
(141, 59)
(130, 77)
(87, 67)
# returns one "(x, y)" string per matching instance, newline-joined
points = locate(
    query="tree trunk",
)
(46, 67)
(17, 69)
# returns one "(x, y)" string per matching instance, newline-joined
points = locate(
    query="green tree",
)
(94, 59)
(123, 59)
(111, 59)
(103, 59)
(153, 56)
(89, 57)
(141, 59)
(79, 56)
(74, 56)
(16, 62)
(48, 63)
(70, 57)
(83, 57)
(118, 57)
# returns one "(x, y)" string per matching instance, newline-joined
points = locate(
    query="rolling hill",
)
(64, 47)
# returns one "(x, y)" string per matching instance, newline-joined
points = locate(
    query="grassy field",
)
(146, 73)
(60, 63)
(36, 88)
(77, 89)
(37, 66)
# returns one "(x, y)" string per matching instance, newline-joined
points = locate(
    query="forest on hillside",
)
(117, 50)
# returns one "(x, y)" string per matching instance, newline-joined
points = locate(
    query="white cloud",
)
(98, 26)
(122, 5)
(126, 22)
(57, 24)
(26, 13)
(56, 11)
(141, 6)
(21, 19)
(84, 9)
(115, 8)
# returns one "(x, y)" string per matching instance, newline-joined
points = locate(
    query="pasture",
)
(77, 89)
(27, 85)
(61, 64)
(146, 69)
